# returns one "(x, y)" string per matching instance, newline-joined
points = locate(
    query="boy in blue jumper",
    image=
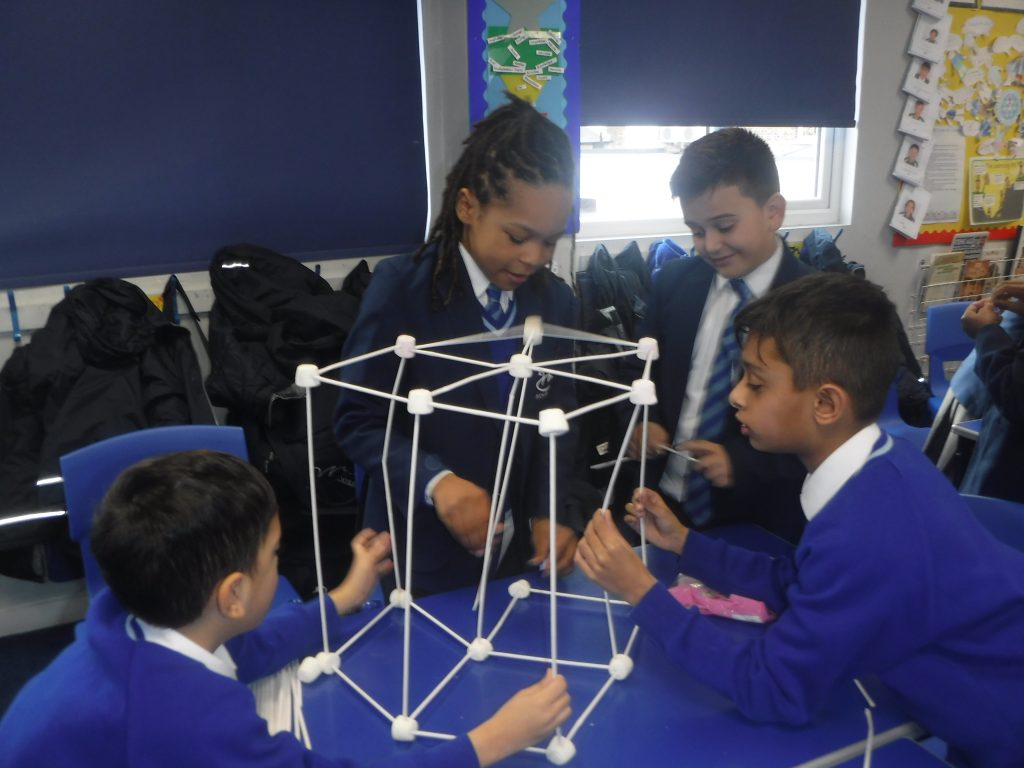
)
(893, 575)
(188, 546)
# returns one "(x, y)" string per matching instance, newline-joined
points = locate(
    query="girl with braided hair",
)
(482, 270)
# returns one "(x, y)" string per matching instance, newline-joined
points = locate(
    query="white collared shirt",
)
(479, 281)
(219, 662)
(842, 464)
(721, 301)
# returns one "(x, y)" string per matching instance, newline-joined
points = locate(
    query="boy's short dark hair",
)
(171, 527)
(729, 156)
(832, 327)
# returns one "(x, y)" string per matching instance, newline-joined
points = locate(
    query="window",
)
(625, 171)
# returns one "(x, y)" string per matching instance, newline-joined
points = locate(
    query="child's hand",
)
(370, 560)
(608, 559)
(465, 509)
(565, 545)
(1010, 296)
(656, 437)
(523, 720)
(663, 528)
(712, 461)
(979, 314)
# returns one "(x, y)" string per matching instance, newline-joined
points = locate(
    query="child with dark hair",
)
(481, 271)
(997, 326)
(188, 545)
(728, 186)
(893, 575)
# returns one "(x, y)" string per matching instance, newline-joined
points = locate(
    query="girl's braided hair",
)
(514, 142)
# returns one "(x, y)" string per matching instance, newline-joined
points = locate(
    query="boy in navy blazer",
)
(728, 186)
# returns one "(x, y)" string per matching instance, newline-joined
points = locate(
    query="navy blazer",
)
(999, 454)
(767, 486)
(398, 301)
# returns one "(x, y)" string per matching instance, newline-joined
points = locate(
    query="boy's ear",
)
(232, 595)
(466, 205)
(775, 210)
(831, 404)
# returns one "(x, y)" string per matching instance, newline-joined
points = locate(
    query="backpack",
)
(271, 313)
(819, 250)
(612, 297)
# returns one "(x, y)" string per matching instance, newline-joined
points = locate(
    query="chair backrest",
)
(891, 421)
(944, 341)
(1002, 518)
(88, 472)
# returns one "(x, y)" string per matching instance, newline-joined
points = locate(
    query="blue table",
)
(657, 716)
(902, 753)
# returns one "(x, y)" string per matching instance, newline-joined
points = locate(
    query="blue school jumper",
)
(110, 700)
(893, 577)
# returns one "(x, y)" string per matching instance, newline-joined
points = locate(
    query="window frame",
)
(834, 165)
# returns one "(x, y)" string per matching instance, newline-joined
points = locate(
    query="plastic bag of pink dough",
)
(695, 594)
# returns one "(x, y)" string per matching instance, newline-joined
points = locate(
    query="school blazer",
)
(999, 453)
(765, 482)
(398, 301)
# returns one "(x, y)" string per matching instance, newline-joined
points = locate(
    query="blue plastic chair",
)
(1002, 518)
(944, 341)
(90, 471)
(891, 421)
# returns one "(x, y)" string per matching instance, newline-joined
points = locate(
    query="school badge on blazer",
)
(543, 385)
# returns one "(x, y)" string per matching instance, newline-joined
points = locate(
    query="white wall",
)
(867, 237)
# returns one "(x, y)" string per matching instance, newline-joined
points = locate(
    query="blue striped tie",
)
(495, 318)
(716, 407)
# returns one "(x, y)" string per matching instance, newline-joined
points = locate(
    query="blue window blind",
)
(727, 62)
(138, 137)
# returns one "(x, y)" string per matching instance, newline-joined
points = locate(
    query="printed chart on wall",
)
(961, 155)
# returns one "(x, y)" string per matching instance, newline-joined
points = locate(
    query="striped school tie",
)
(495, 318)
(716, 406)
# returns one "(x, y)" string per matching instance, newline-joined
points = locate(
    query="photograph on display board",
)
(912, 160)
(918, 118)
(1003, 5)
(936, 8)
(996, 190)
(922, 79)
(928, 40)
(911, 206)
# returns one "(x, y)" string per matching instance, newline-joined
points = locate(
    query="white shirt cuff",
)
(428, 492)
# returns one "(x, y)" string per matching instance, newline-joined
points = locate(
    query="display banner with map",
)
(529, 48)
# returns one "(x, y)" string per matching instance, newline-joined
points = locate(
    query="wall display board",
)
(962, 145)
(530, 49)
